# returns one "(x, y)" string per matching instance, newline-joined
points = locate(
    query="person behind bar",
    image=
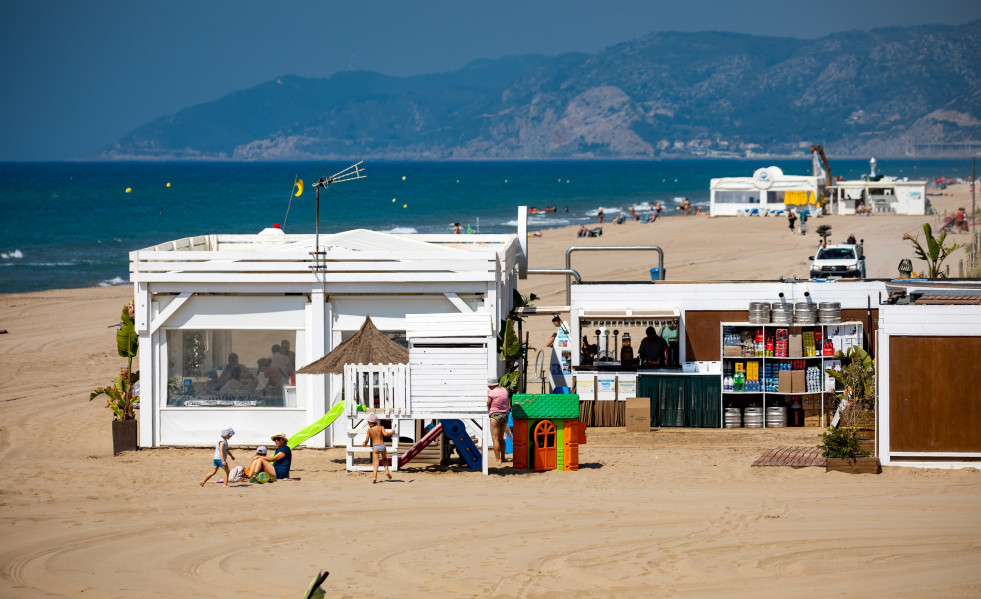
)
(651, 351)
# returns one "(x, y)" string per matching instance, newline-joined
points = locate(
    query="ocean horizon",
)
(73, 224)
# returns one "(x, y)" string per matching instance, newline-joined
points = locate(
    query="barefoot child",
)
(377, 434)
(222, 453)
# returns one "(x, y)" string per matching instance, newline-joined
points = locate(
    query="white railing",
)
(381, 388)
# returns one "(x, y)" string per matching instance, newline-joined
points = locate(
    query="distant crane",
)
(824, 163)
(827, 172)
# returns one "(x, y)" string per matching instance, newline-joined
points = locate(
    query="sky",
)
(79, 75)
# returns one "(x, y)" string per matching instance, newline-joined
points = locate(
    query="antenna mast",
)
(349, 174)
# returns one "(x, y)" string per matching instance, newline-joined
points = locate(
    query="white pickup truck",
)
(839, 261)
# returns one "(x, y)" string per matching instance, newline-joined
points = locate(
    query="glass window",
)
(231, 368)
(737, 197)
(836, 254)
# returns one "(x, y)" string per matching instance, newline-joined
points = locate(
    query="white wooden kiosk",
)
(200, 299)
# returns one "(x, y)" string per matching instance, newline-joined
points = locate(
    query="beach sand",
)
(670, 513)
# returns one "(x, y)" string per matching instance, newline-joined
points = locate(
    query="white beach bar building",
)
(768, 191)
(211, 308)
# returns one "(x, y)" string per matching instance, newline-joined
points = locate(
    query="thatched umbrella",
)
(367, 346)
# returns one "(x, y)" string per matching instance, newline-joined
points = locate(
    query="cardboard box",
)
(784, 381)
(732, 351)
(798, 382)
(795, 343)
(637, 413)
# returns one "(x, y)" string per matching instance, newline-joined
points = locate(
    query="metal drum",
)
(776, 417)
(753, 417)
(782, 314)
(733, 418)
(829, 312)
(805, 313)
(759, 312)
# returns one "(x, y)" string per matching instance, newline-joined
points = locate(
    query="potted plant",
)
(121, 396)
(843, 445)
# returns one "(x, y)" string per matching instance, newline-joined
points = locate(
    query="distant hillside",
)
(887, 92)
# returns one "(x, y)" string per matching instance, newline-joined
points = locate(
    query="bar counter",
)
(678, 398)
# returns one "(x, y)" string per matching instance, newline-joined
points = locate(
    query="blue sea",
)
(72, 224)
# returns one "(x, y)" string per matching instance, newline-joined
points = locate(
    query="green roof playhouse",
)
(547, 432)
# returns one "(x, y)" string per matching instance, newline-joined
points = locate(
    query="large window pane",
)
(737, 197)
(231, 368)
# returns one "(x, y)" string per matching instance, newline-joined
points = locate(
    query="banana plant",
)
(934, 252)
(857, 377)
(509, 347)
(120, 396)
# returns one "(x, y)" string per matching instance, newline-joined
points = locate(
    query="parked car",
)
(843, 260)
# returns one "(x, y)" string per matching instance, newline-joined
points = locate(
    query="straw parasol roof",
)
(367, 346)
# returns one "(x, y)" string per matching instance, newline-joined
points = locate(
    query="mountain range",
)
(902, 91)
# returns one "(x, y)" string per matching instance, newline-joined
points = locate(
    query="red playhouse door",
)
(520, 439)
(546, 457)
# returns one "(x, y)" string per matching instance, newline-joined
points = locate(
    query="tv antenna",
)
(349, 174)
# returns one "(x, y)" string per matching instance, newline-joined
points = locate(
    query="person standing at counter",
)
(669, 333)
(651, 351)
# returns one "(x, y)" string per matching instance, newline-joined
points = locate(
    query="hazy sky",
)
(79, 75)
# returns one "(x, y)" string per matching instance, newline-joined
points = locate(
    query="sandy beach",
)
(670, 513)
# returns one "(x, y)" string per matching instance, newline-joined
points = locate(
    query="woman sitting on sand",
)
(277, 466)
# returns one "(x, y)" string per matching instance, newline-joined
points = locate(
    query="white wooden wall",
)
(449, 362)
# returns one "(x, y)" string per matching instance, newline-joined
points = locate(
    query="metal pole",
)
(290, 205)
(620, 248)
(974, 213)
(316, 245)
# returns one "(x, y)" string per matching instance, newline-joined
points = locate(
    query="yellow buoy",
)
(129, 190)
(405, 205)
(505, 180)
(403, 177)
(566, 180)
(560, 179)
(168, 183)
(393, 200)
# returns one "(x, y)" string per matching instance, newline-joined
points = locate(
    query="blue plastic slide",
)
(457, 433)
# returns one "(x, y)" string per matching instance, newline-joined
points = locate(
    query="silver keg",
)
(753, 417)
(829, 312)
(776, 417)
(759, 312)
(782, 314)
(805, 313)
(733, 418)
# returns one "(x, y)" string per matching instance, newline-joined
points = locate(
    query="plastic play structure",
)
(305, 433)
(547, 432)
(457, 433)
